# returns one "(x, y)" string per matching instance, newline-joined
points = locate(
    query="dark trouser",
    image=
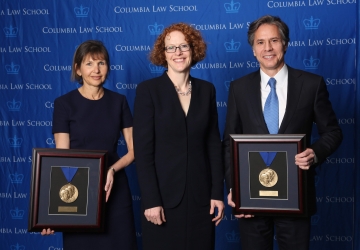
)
(257, 233)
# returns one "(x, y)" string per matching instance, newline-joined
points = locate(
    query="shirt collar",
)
(281, 77)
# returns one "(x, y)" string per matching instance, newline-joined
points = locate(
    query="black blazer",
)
(307, 103)
(174, 151)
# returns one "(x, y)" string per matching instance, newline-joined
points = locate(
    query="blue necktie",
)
(271, 109)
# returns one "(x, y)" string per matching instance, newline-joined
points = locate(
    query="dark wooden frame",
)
(292, 144)
(96, 162)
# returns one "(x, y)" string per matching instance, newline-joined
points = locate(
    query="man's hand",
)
(305, 159)
(155, 215)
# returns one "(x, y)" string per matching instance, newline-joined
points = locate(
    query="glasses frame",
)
(178, 47)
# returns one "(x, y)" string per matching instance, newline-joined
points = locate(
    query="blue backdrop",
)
(37, 42)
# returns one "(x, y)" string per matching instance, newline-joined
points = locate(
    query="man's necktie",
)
(271, 109)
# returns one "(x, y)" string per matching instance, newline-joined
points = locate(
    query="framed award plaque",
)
(67, 190)
(266, 179)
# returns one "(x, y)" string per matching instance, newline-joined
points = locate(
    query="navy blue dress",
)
(97, 125)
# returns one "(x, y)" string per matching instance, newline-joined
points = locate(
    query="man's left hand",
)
(305, 159)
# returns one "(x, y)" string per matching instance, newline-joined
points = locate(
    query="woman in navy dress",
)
(92, 117)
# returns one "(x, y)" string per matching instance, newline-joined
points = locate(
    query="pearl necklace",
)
(188, 92)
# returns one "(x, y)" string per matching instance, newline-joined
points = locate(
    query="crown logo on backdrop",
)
(227, 84)
(17, 247)
(315, 219)
(155, 69)
(155, 29)
(15, 142)
(232, 46)
(16, 178)
(12, 69)
(311, 24)
(11, 31)
(233, 237)
(232, 7)
(17, 214)
(81, 11)
(13, 105)
(311, 63)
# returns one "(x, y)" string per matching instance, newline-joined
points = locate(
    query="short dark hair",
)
(95, 49)
(192, 36)
(273, 20)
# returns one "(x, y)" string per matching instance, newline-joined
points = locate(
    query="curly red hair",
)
(192, 36)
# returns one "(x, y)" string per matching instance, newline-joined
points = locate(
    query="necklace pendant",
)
(188, 92)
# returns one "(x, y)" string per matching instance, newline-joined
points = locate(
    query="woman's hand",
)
(232, 204)
(220, 213)
(109, 182)
(123, 162)
(155, 215)
(46, 232)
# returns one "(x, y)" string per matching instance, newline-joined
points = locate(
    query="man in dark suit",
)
(300, 99)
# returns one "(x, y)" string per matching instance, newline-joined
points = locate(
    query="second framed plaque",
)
(67, 190)
(266, 179)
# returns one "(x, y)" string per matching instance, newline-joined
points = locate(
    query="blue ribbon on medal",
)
(268, 177)
(268, 157)
(69, 172)
(68, 193)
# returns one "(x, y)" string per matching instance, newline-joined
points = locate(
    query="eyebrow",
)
(94, 59)
(185, 43)
(262, 39)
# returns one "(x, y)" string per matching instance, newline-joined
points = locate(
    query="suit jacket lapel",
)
(293, 97)
(168, 92)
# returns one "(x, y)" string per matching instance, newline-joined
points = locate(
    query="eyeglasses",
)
(182, 48)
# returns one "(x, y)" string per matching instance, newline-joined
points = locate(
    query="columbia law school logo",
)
(155, 29)
(13, 105)
(154, 69)
(311, 24)
(311, 63)
(232, 46)
(81, 11)
(232, 7)
(11, 31)
(16, 178)
(17, 214)
(17, 247)
(12, 69)
(15, 142)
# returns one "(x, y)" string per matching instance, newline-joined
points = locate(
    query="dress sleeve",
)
(60, 122)
(127, 119)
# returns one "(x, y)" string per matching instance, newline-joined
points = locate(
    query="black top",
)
(92, 124)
